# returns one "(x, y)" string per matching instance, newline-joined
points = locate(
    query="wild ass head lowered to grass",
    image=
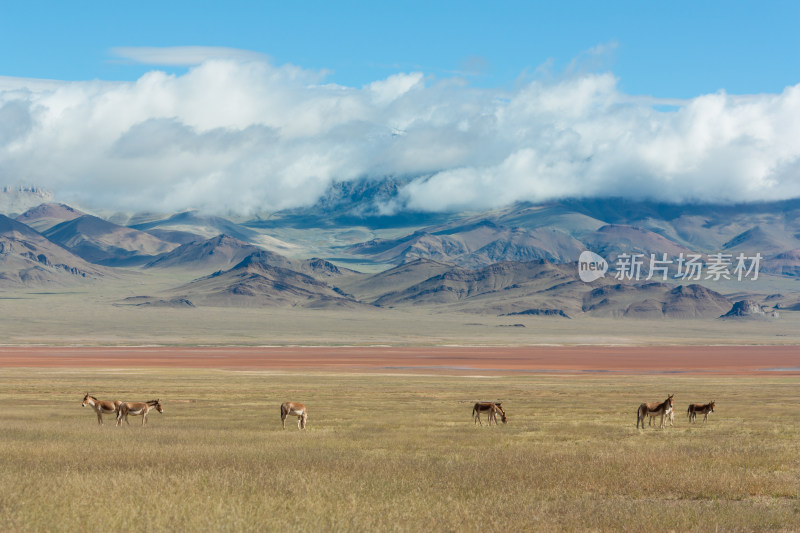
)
(491, 409)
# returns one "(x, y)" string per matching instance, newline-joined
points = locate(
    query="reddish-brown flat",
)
(762, 360)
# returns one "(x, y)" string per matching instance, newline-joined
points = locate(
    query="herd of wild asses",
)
(121, 409)
(665, 411)
(492, 409)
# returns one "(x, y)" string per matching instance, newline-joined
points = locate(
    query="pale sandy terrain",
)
(359, 339)
(728, 360)
(92, 317)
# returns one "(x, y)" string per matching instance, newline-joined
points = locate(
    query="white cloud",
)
(237, 133)
(183, 56)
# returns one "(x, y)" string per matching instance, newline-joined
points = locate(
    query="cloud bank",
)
(238, 134)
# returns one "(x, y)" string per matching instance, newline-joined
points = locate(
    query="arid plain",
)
(391, 443)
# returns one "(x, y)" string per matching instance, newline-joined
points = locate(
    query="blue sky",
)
(257, 106)
(676, 49)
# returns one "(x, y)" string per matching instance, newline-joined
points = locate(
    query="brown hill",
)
(45, 216)
(458, 284)
(545, 289)
(105, 243)
(475, 245)
(748, 309)
(783, 264)
(27, 258)
(399, 278)
(766, 240)
(316, 268)
(218, 253)
(643, 300)
(256, 283)
(613, 239)
(654, 300)
(694, 301)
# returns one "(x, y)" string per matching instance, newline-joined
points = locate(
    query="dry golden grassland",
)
(396, 453)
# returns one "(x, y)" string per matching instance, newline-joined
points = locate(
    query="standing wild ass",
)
(294, 409)
(100, 407)
(703, 409)
(653, 409)
(491, 409)
(138, 408)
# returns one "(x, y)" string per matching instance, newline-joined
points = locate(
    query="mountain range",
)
(352, 250)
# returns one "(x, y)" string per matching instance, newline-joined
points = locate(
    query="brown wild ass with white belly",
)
(653, 409)
(100, 407)
(491, 409)
(703, 409)
(138, 408)
(294, 409)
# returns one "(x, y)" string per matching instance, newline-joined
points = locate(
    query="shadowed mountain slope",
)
(458, 284)
(611, 240)
(399, 278)
(475, 245)
(28, 258)
(217, 253)
(206, 226)
(254, 282)
(45, 216)
(101, 242)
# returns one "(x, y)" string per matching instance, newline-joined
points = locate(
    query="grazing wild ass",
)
(294, 409)
(653, 409)
(138, 408)
(491, 409)
(703, 409)
(101, 407)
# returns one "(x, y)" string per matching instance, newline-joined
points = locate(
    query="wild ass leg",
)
(122, 414)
